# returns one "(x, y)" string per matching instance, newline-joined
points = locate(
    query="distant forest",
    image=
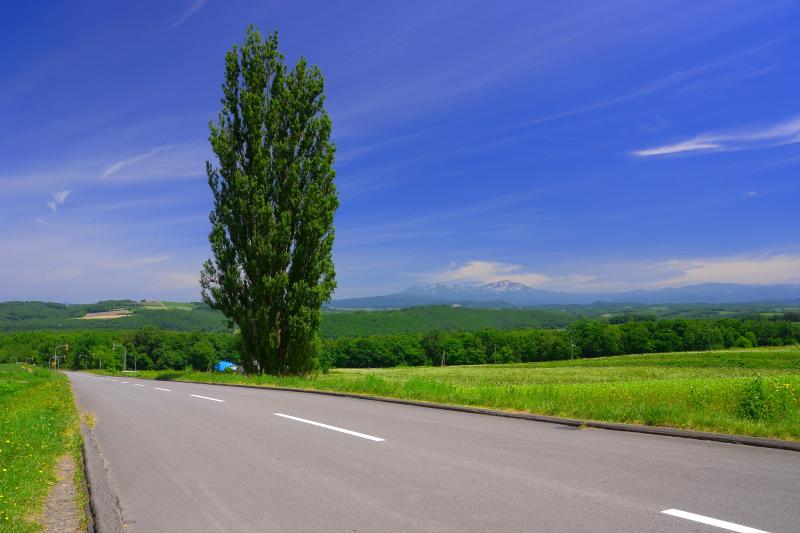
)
(168, 335)
(191, 317)
(30, 316)
(158, 349)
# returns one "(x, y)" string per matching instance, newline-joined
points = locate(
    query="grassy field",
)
(38, 425)
(749, 392)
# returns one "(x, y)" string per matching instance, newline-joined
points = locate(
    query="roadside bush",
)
(743, 342)
(168, 375)
(766, 400)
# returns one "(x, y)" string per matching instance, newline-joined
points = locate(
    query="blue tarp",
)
(222, 365)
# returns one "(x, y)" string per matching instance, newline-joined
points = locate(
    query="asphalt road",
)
(197, 458)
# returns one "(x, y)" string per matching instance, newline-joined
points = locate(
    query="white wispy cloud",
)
(58, 199)
(63, 274)
(83, 264)
(782, 133)
(752, 268)
(191, 10)
(691, 145)
(490, 271)
(119, 165)
(141, 261)
(712, 74)
(523, 47)
(483, 272)
(615, 276)
(102, 266)
(61, 197)
(180, 280)
(757, 270)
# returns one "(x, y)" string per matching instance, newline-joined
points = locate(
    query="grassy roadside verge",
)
(39, 424)
(747, 392)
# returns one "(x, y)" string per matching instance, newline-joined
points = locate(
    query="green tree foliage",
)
(590, 338)
(274, 201)
(445, 317)
(155, 349)
(151, 348)
(202, 355)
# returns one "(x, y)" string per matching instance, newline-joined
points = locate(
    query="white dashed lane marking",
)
(334, 428)
(730, 526)
(207, 398)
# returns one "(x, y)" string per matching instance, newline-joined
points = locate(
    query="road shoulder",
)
(104, 503)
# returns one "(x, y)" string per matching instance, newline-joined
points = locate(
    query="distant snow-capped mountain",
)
(507, 293)
(506, 286)
(502, 287)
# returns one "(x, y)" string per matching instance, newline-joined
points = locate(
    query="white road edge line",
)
(334, 428)
(730, 526)
(206, 398)
(138, 384)
(123, 381)
(159, 388)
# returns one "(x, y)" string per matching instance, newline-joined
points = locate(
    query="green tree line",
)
(583, 338)
(153, 348)
(148, 348)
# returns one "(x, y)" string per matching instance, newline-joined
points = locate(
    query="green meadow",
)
(749, 392)
(38, 425)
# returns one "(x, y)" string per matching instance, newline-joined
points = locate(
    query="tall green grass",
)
(749, 392)
(38, 425)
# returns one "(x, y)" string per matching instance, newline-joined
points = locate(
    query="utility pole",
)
(444, 357)
(709, 336)
(55, 357)
(125, 358)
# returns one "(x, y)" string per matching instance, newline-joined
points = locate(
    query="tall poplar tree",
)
(274, 201)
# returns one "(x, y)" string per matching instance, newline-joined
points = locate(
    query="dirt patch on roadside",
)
(61, 513)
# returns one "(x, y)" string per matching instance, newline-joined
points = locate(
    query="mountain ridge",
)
(506, 293)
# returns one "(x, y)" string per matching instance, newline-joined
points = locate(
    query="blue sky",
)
(574, 146)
